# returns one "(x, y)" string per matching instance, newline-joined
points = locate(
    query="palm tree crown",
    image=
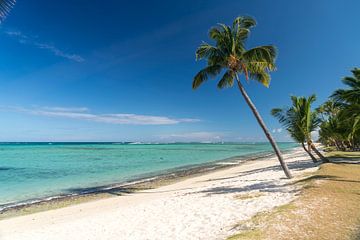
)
(229, 54)
(298, 119)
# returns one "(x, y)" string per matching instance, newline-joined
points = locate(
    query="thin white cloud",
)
(30, 40)
(193, 136)
(277, 130)
(315, 134)
(67, 109)
(85, 114)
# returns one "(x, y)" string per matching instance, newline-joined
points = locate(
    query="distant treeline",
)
(338, 119)
(340, 116)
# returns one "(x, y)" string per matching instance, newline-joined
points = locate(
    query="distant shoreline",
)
(152, 180)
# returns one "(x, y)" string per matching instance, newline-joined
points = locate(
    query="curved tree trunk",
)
(308, 152)
(337, 145)
(264, 128)
(323, 158)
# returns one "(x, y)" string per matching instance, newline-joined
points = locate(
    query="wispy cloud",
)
(194, 136)
(277, 130)
(315, 134)
(33, 41)
(66, 109)
(112, 118)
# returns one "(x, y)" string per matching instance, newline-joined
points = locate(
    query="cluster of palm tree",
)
(340, 127)
(300, 121)
(338, 119)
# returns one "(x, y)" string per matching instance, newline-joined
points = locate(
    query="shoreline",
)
(150, 181)
(217, 200)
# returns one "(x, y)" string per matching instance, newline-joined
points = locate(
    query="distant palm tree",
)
(300, 121)
(230, 56)
(352, 95)
(5, 7)
(299, 137)
(334, 132)
(349, 114)
(329, 109)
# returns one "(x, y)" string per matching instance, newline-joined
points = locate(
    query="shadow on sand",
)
(266, 185)
(295, 166)
(118, 191)
(339, 160)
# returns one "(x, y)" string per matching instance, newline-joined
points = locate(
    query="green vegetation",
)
(327, 208)
(229, 55)
(338, 119)
(339, 154)
(299, 120)
(340, 126)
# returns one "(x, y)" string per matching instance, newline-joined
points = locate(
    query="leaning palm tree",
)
(290, 120)
(296, 134)
(301, 120)
(230, 56)
(5, 7)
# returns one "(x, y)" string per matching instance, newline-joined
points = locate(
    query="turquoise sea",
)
(30, 171)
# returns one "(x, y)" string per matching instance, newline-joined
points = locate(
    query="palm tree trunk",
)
(323, 158)
(263, 126)
(337, 145)
(308, 152)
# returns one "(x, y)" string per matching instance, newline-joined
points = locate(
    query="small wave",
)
(7, 168)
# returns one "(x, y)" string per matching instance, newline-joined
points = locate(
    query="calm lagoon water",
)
(39, 170)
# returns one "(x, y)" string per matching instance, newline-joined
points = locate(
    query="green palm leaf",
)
(230, 53)
(227, 80)
(203, 75)
(351, 95)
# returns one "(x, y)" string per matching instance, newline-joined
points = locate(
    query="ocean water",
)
(31, 171)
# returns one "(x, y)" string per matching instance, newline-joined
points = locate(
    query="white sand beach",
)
(202, 207)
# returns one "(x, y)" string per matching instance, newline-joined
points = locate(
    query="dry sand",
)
(202, 207)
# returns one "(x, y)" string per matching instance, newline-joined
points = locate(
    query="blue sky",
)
(122, 71)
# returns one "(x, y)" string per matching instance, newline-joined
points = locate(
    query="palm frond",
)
(206, 50)
(282, 114)
(356, 73)
(261, 77)
(262, 54)
(204, 74)
(244, 22)
(5, 8)
(227, 80)
(299, 120)
(241, 31)
(351, 95)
